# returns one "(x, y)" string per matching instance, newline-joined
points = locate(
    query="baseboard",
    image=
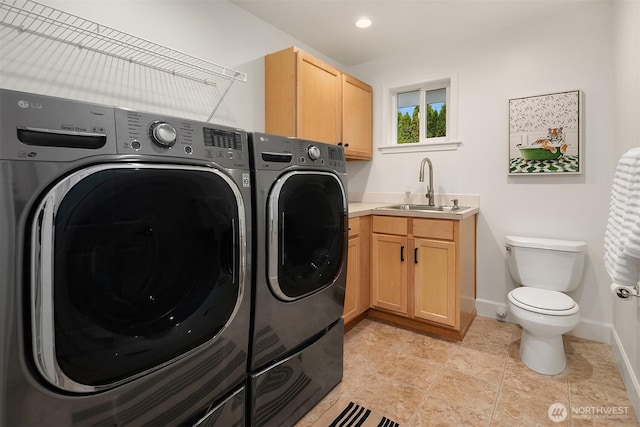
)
(626, 369)
(487, 308)
(594, 331)
(587, 329)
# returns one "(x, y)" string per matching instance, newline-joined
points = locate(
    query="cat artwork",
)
(553, 142)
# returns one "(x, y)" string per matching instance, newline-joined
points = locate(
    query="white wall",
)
(522, 61)
(626, 317)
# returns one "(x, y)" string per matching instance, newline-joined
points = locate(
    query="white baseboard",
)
(587, 329)
(488, 308)
(626, 369)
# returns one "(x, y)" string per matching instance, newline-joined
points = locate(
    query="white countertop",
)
(361, 209)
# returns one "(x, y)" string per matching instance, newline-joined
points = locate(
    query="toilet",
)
(545, 269)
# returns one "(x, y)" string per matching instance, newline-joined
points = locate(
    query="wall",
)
(492, 68)
(626, 317)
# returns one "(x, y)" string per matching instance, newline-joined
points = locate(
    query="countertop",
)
(361, 209)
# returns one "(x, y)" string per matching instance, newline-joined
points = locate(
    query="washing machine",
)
(300, 225)
(125, 269)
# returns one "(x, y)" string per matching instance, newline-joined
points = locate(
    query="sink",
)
(412, 207)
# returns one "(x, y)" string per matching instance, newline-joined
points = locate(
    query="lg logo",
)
(26, 104)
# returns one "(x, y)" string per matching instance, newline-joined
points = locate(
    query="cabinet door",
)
(352, 297)
(319, 94)
(435, 281)
(389, 269)
(357, 118)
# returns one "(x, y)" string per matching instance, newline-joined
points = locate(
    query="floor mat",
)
(353, 415)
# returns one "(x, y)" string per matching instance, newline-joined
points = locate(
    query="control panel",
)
(277, 152)
(44, 128)
(144, 133)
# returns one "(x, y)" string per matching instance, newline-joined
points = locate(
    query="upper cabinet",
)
(357, 117)
(308, 98)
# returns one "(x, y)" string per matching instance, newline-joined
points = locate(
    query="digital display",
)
(222, 138)
(335, 153)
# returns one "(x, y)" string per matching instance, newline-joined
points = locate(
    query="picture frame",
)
(545, 134)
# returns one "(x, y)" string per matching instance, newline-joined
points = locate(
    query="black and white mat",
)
(353, 415)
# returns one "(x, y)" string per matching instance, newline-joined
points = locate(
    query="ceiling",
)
(398, 25)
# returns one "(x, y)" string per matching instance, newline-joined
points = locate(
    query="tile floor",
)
(418, 380)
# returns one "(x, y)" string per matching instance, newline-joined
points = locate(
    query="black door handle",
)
(415, 255)
(401, 253)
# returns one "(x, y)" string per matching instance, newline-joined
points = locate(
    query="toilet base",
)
(544, 355)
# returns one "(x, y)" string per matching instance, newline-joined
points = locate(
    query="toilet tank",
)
(546, 263)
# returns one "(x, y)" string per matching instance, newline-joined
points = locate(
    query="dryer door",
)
(307, 233)
(133, 267)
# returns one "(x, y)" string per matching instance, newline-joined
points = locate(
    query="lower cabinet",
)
(423, 273)
(357, 294)
(390, 270)
(434, 281)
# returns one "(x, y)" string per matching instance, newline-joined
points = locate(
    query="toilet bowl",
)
(541, 347)
(545, 268)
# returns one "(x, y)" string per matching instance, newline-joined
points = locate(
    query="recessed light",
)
(363, 22)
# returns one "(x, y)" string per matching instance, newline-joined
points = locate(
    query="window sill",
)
(420, 146)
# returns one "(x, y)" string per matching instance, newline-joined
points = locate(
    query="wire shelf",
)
(54, 25)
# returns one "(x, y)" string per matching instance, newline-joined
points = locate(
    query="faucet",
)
(421, 179)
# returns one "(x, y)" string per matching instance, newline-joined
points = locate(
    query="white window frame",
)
(390, 117)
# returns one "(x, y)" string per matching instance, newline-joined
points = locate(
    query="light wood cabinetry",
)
(357, 118)
(389, 286)
(357, 294)
(308, 98)
(434, 279)
(423, 273)
(390, 270)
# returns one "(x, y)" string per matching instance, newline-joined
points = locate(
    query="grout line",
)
(504, 370)
(426, 395)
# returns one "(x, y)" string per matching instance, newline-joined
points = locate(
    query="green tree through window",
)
(409, 117)
(436, 121)
(409, 126)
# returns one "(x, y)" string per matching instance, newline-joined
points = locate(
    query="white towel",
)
(622, 234)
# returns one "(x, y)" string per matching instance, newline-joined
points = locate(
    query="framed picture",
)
(545, 134)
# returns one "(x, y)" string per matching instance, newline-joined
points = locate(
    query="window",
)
(433, 115)
(422, 116)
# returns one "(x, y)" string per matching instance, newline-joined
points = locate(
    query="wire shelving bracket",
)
(53, 24)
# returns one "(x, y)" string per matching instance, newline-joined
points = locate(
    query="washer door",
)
(133, 267)
(307, 233)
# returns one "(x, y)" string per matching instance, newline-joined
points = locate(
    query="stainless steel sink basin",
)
(412, 207)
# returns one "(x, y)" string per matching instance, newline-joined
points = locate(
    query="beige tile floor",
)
(418, 380)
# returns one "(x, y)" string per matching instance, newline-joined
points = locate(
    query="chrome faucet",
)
(421, 179)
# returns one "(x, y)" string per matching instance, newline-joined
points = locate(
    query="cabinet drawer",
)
(433, 228)
(354, 227)
(390, 225)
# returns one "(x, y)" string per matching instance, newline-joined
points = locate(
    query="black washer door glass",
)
(311, 233)
(145, 269)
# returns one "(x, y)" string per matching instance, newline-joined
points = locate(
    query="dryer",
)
(126, 264)
(300, 224)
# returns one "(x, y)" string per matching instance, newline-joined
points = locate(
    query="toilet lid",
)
(543, 301)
